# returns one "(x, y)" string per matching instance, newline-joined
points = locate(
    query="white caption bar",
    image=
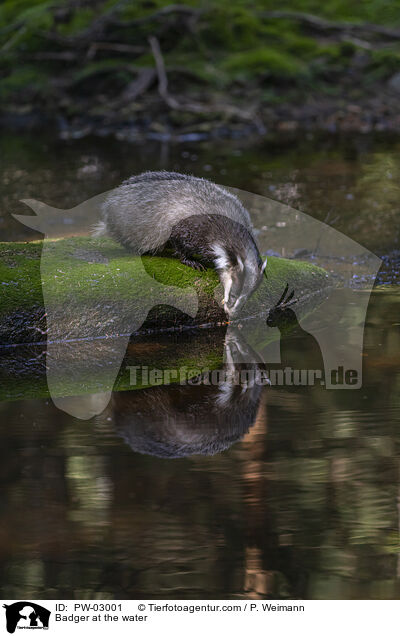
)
(149, 616)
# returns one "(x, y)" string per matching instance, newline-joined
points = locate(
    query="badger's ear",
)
(264, 265)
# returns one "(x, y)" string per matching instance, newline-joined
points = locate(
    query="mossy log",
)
(91, 288)
(23, 368)
(97, 310)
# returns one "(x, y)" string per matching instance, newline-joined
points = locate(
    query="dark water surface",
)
(301, 498)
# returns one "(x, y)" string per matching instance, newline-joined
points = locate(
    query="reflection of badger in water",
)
(175, 421)
(179, 420)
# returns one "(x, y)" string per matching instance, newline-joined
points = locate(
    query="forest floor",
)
(188, 71)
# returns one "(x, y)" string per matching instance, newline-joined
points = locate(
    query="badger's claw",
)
(194, 264)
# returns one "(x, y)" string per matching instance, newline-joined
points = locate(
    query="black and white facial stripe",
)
(240, 275)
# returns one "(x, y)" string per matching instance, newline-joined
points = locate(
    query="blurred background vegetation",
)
(156, 64)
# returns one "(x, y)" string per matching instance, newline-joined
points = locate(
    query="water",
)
(302, 501)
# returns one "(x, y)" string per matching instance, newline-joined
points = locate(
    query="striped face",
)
(239, 277)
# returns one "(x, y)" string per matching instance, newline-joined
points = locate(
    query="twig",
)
(139, 86)
(195, 107)
(362, 44)
(68, 56)
(161, 73)
(53, 36)
(7, 45)
(97, 26)
(113, 46)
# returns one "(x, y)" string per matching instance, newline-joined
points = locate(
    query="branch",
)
(140, 85)
(14, 38)
(193, 107)
(113, 46)
(67, 56)
(161, 74)
(362, 44)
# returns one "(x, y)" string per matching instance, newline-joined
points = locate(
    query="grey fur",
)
(142, 211)
(196, 217)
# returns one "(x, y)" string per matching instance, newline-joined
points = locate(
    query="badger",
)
(202, 222)
(204, 416)
(153, 422)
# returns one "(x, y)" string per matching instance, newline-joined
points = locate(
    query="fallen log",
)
(76, 314)
(91, 288)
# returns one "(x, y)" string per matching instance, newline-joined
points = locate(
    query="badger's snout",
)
(234, 304)
(240, 284)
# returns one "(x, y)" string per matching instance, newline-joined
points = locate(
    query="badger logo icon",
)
(26, 615)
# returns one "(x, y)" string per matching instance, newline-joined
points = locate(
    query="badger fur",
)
(200, 417)
(203, 223)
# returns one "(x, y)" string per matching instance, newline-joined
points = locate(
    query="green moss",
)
(32, 13)
(24, 78)
(304, 47)
(20, 276)
(385, 62)
(265, 61)
(231, 41)
(191, 355)
(376, 11)
(72, 276)
(102, 66)
(134, 10)
(230, 27)
(79, 21)
(71, 273)
(62, 272)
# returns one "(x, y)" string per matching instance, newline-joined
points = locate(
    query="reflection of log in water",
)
(84, 367)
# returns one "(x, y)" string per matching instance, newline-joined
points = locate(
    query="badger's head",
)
(240, 272)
